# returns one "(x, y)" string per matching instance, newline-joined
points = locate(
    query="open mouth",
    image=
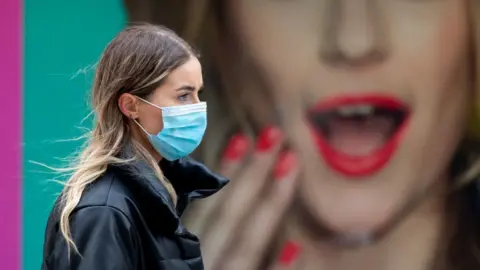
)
(357, 136)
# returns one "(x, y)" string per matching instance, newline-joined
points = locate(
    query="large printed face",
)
(375, 96)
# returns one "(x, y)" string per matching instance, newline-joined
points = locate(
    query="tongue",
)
(359, 137)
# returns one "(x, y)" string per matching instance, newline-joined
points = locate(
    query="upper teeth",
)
(355, 110)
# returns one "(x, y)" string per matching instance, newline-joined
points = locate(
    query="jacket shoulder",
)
(107, 191)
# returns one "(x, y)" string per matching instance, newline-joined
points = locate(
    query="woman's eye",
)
(183, 97)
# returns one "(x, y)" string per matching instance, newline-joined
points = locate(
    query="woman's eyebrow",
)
(188, 88)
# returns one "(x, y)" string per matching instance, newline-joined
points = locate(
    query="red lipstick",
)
(357, 135)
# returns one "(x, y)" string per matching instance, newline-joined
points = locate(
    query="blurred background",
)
(48, 51)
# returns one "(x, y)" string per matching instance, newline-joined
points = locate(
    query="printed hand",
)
(238, 225)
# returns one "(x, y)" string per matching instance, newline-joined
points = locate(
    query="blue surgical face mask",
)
(183, 130)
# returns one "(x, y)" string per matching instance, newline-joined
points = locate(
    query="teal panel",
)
(62, 40)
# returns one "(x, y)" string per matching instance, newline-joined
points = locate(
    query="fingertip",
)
(237, 148)
(285, 164)
(269, 137)
(289, 253)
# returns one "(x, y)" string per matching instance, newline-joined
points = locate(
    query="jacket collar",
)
(190, 179)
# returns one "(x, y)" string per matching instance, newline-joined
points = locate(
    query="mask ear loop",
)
(135, 120)
(148, 102)
(142, 128)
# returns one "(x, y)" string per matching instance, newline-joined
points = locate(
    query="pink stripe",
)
(11, 48)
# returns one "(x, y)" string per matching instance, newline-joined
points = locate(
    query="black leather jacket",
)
(126, 220)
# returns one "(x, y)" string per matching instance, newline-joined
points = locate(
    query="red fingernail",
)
(289, 253)
(268, 138)
(284, 165)
(237, 148)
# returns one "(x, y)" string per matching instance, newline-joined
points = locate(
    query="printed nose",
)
(354, 34)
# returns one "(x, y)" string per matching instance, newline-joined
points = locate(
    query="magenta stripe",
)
(11, 48)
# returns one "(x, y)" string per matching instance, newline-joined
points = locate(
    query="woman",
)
(375, 98)
(120, 208)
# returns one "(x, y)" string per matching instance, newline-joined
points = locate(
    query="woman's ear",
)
(128, 105)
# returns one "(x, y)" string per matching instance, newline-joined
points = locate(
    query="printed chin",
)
(353, 212)
(352, 221)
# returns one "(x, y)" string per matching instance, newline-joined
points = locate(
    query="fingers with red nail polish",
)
(254, 207)
(232, 159)
(237, 148)
(267, 147)
(267, 210)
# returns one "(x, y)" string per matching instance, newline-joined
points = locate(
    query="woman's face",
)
(375, 96)
(181, 87)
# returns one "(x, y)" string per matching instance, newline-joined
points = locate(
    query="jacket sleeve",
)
(105, 238)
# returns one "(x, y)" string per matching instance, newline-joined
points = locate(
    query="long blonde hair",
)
(136, 61)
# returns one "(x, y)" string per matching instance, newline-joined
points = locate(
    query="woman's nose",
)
(196, 98)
